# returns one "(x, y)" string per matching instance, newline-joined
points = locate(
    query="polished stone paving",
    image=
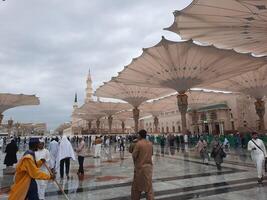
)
(181, 176)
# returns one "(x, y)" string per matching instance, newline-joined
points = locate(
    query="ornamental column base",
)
(156, 124)
(260, 110)
(182, 102)
(110, 119)
(136, 113)
(1, 118)
(98, 126)
(123, 126)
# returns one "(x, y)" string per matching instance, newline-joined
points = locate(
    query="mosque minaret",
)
(88, 98)
(89, 89)
(75, 104)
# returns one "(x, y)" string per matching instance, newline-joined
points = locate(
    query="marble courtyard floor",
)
(181, 176)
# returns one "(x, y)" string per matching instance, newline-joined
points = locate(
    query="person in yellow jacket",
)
(27, 170)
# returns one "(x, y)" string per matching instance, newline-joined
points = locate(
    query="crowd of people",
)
(45, 157)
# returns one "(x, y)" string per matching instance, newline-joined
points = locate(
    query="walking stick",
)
(55, 181)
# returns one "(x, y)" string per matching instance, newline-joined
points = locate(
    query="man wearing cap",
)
(258, 154)
(27, 170)
(143, 167)
(42, 153)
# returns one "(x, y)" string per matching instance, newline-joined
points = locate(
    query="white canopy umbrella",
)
(184, 65)
(123, 116)
(134, 95)
(109, 108)
(155, 108)
(90, 117)
(253, 83)
(229, 24)
(8, 101)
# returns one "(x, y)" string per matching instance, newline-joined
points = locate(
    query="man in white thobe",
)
(98, 143)
(53, 149)
(108, 148)
(42, 153)
(258, 154)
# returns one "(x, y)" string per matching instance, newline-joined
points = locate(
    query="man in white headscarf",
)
(53, 149)
(258, 154)
(65, 153)
(42, 153)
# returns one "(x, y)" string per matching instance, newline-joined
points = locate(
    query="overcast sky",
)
(47, 47)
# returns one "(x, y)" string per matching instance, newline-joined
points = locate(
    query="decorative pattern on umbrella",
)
(229, 24)
(89, 116)
(253, 83)
(124, 115)
(157, 107)
(134, 95)
(183, 65)
(109, 108)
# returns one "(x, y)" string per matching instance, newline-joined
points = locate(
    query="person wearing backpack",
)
(217, 152)
(258, 154)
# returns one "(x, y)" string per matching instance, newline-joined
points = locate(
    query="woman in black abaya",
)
(11, 154)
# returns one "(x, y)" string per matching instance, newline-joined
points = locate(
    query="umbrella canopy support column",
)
(260, 110)
(194, 121)
(156, 124)
(89, 125)
(10, 125)
(98, 126)
(1, 118)
(182, 102)
(136, 113)
(110, 119)
(123, 126)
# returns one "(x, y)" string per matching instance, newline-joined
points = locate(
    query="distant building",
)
(62, 127)
(25, 129)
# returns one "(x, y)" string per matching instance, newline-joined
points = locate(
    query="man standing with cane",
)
(42, 153)
(27, 171)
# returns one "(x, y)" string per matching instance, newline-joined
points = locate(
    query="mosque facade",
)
(236, 113)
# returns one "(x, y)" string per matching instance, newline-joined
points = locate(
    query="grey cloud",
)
(47, 46)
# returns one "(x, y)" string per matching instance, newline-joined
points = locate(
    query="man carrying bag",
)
(217, 152)
(258, 154)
